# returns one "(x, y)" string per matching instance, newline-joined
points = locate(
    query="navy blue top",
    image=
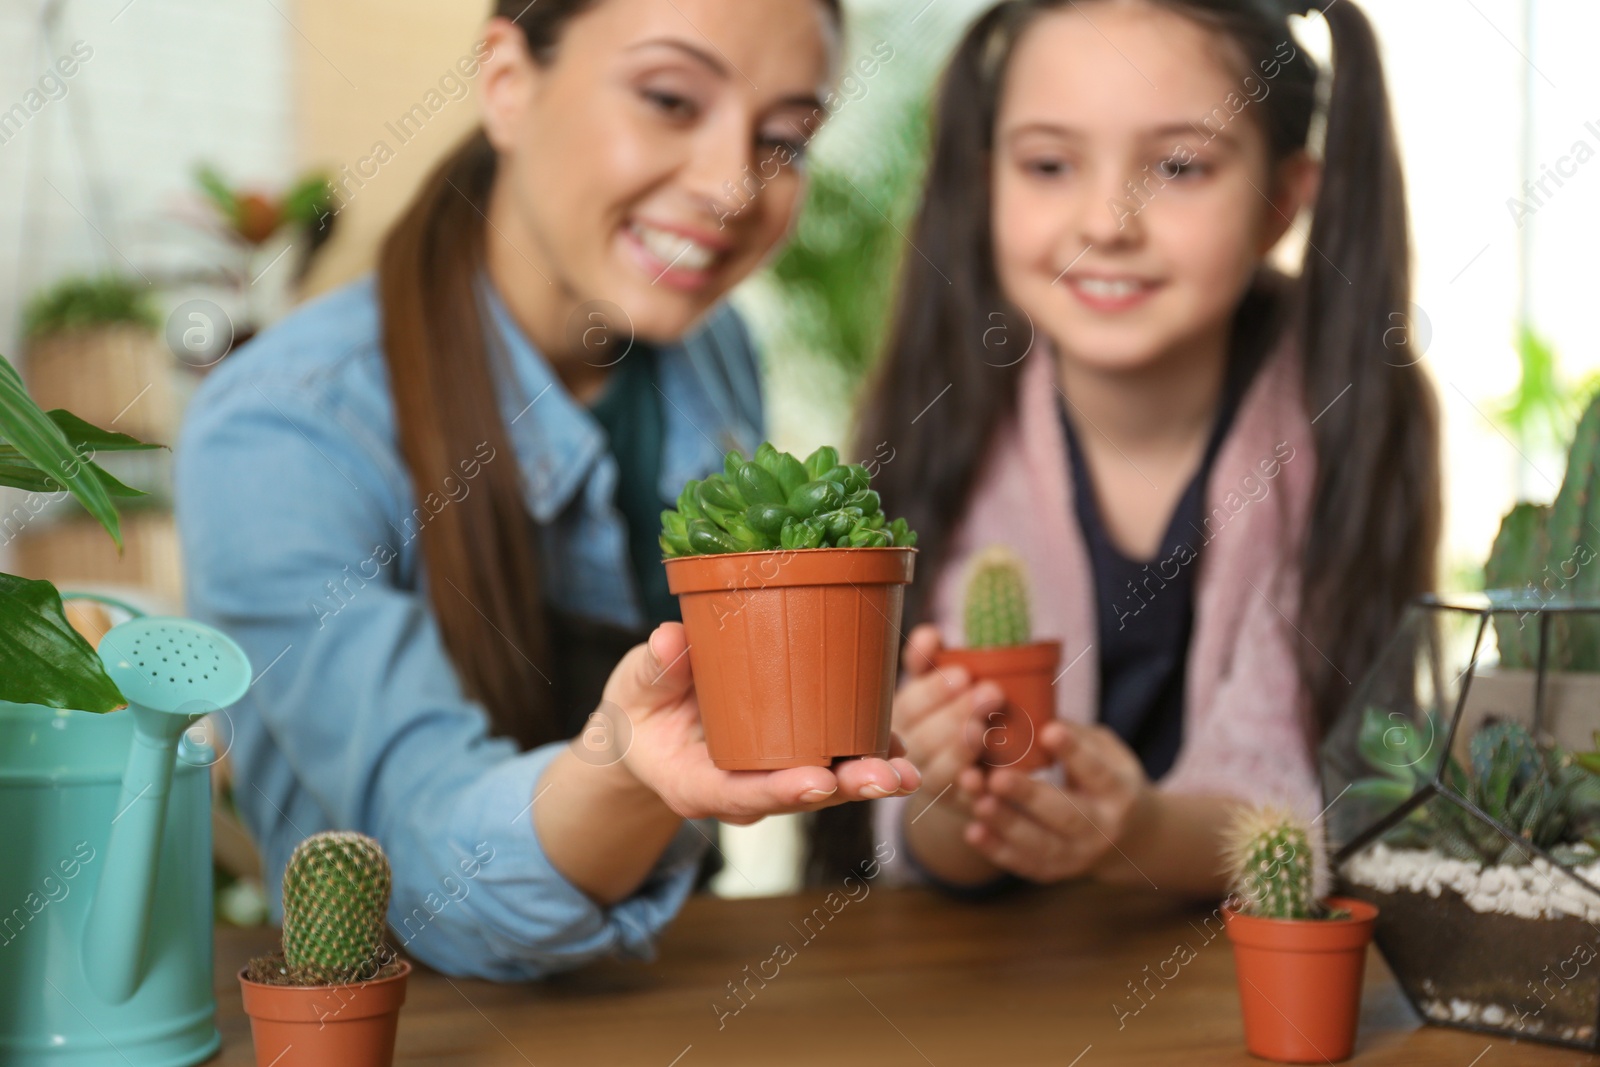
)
(1144, 609)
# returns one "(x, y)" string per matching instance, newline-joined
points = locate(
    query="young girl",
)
(1224, 482)
(428, 505)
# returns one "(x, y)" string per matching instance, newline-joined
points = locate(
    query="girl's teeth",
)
(676, 250)
(1105, 288)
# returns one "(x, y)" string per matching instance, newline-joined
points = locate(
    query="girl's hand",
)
(940, 714)
(1041, 832)
(666, 748)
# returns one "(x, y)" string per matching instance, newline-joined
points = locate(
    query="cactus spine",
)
(1546, 552)
(335, 897)
(1276, 864)
(997, 600)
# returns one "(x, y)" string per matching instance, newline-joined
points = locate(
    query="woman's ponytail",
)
(483, 579)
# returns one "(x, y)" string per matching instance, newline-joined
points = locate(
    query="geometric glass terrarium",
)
(1463, 801)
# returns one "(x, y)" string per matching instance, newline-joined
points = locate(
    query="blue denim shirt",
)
(300, 534)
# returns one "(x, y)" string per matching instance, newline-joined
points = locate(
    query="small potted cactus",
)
(1299, 956)
(1000, 648)
(334, 993)
(791, 580)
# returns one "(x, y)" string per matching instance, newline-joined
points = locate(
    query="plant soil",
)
(274, 970)
(1504, 949)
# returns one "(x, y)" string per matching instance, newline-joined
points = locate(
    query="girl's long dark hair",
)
(483, 573)
(1374, 521)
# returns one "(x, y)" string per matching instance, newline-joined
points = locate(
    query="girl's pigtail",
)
(1375, 520)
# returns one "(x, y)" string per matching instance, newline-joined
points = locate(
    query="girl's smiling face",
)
(655, 160)
(1122, 276)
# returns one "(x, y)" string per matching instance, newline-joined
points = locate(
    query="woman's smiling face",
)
(1132, 203)
(655, 159)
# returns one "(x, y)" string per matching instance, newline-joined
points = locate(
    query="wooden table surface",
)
(896, 977)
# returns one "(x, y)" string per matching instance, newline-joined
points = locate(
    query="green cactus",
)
(335, 897)
(1542, 553)
(1271, 853)
(996, 611)
(776, 501)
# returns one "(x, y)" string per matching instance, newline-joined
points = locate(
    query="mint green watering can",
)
(105, 859)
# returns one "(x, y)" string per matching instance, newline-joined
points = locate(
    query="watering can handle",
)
(109, 601)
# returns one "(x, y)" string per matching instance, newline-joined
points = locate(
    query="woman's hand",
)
(1044, 833)
(654, 689)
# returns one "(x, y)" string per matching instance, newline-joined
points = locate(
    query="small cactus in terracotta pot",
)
(334, 993)
(1299, 957)
(1000, 648)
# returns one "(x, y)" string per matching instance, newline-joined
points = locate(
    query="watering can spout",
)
(173, 672)
(119, 916)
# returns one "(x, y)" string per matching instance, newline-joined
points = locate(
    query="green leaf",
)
(20, 474)
(216, 189)
(44, 445)
(43, 660)
(308, 199)
(81, 433)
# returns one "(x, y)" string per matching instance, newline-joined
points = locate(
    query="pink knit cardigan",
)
(1245, 703)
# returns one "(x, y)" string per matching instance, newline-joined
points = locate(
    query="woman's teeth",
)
(674, 249)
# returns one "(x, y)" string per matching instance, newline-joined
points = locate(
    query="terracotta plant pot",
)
(1300, 982)
(1026, 674)
(325, 1026)
(794, 651)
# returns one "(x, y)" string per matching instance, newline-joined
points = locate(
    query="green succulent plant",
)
(1546, 796)
(1271, 856)
(335, 897)
(996, 609)
(1545, 552)
(777, 501)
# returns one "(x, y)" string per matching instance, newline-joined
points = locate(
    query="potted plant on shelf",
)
(1299, 957)
(791, 580)
(334, 993)
(1000, 648)
(94, 347)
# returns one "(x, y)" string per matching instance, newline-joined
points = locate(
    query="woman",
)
(427, 504)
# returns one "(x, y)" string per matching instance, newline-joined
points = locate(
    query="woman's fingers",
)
(869, 779)
(654, 673)
(742, 797)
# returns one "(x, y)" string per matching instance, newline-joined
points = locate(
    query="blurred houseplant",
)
(822, 309)
(260, 229)
(94, 348)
